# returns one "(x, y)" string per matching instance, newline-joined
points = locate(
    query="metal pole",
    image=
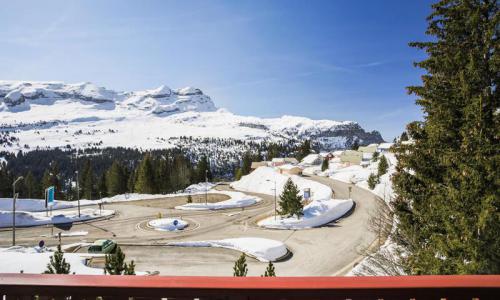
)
(14, 210)
(275, 210)
(78, 193)
(206, 187)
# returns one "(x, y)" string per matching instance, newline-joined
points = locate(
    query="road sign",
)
(307, 193)
(176, 222)
(50, 195)
(41, 244)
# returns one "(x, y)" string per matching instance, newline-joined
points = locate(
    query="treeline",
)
(101, 175)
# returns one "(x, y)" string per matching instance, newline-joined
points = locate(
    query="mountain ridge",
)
(56, 114)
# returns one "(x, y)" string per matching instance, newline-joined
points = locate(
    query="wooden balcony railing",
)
(27, 286)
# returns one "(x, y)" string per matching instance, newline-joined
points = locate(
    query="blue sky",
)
(341, 60)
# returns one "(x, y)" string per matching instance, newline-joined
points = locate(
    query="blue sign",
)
(50, 195)
(307, 194)
(176, 222)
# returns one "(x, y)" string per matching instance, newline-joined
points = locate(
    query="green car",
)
(102, 246)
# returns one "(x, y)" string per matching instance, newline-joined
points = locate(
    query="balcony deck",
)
(25, 286)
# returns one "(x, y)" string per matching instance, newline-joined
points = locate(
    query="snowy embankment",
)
(236, 200)
(29, 260)
(263, 178)
(322, 210)
(24, 218)
(38, 205)
(264, 250)
(316, 214)
(168, 224)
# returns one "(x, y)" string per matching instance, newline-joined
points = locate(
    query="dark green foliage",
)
(383, 166)
(58, 264)
(269, 271)
(51, 177)
(355, 145)
(375, 156)
(145, 182)
(116, 179)
(238, 174)
(87, 181)
(290, 200)
(246, 166)
(115, 264)
(102, 188)
(203, 170)
(304, 150)
(447, 179)
(404, 137)
(30, 187)
(324, 165)
(240, 267)
(372, 181)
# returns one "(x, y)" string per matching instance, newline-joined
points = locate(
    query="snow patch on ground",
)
(236, 200)
(30, 260)
(24, 218)
(168, 224)
(316, 213)
(263, 178)
(264, 250)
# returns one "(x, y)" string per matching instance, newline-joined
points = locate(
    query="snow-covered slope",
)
(55, 114)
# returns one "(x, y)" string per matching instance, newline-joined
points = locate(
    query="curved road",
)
(328, 250)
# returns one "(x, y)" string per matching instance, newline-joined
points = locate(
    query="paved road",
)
(328, 250)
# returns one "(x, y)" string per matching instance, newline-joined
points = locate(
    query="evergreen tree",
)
(355, 145)
(372, 181)
(375, 156)
(246, 166)
(304, 150)
(58, 264)
(447, 179)
(404, 136)
(102, 189)
(31, 189)
(238, 174)
(87, 181)
(116, 181)
(269, 271)
(240, 267)
(145, 182)
(115, 264)
(51, 178)
(203, 169)
(324, 165)
(290, 200)
(383, 166)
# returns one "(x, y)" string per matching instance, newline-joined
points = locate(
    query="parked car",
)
(102, 246)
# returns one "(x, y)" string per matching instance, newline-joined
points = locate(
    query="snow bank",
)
(264, 250)
(351, 174)
(168, 224)
(32, 205)
(262, 181)
(24, 218)
(199, 187)
(236, 200)
(316, 213)
(29, 260)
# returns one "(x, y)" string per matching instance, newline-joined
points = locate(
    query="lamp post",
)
(78, 192)
(206, 187)
(275, 208)
(14, 197)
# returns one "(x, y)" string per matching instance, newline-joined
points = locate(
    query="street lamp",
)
(206, 187)
(78, 193)
(275, 209)
(14, 197)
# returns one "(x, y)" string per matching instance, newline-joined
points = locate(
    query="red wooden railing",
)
(25, 286)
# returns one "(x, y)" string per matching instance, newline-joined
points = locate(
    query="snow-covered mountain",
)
(55, 114)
